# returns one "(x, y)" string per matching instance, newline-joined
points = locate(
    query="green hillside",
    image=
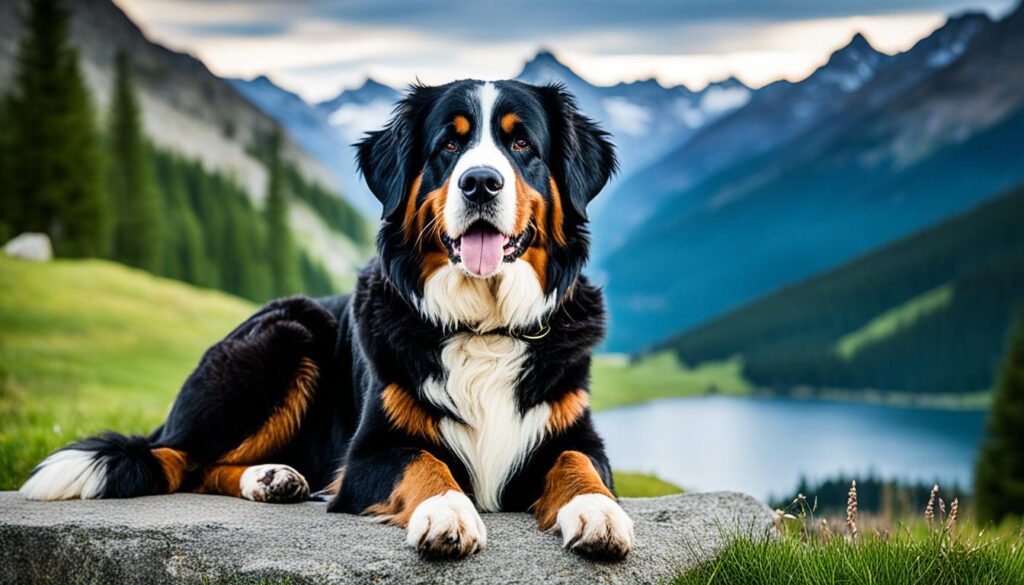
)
(927, 314)
(89, 345)
(616, 380)
(92, 345)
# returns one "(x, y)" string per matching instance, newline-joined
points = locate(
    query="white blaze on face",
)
(482, 153)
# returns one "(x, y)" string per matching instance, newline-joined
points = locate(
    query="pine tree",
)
(54, 161)
(316, 281)
(184, 254)
(137, 204)
(999, 475)
(280, 253)
(210, 210)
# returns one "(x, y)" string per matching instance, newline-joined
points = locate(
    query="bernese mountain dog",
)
(453, 380)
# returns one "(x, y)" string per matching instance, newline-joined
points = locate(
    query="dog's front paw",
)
(446, 526)
(273, 484)
(595, 525)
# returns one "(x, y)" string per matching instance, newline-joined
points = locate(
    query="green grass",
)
(641, 485)
(615, 381)
(894, 320)
(901, 560)
(946, 547)
(91, 345)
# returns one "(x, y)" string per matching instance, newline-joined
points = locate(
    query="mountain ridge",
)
(772, 116)
(644, 116)
(186, 108)
(191, 113)
(893, 164)
(926, 313)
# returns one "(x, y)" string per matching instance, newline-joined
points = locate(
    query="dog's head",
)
(485, 187)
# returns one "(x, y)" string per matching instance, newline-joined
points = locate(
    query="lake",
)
(763, 446)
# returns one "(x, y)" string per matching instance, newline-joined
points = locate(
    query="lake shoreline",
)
(976, 402)
(617, 381)
(765, 443)
(957, 403)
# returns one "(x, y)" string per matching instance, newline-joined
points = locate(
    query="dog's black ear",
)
(386, 156)
(583, 155)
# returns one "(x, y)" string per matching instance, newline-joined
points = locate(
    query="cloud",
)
(318, 46)
(234, 29)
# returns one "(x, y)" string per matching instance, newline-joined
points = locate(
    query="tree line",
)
(110, 193)
(791, 338)
(889, 498)
(999, 469)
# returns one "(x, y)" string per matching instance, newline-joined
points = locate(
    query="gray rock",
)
(30, 246)
(193, 538)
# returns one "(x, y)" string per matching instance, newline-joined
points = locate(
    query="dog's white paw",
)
(273, 483)
(595, 525)
(446, 526)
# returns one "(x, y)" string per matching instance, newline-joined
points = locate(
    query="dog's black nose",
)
(481, 184)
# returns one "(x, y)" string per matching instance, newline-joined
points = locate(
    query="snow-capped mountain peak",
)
(545, 68)
(361, 109)
(645, 116)
(724, 96)
(852, 66)
(949, 42)
(370, 91)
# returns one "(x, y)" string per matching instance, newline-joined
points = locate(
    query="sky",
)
(318, 47)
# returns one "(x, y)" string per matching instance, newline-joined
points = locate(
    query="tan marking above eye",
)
(461, 125)
(509, 121)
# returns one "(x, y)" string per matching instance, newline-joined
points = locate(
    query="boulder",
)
(30, 246)
(198, 538)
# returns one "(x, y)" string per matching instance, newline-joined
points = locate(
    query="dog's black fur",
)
(376, 336)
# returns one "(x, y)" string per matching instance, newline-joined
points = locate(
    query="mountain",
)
(888, 163)
(189, 111)
(929, 313)
(645, 118)
(352, 113)
(328, 139)
(186, 108)
(777, 113)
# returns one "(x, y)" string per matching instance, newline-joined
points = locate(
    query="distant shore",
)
(617, 381)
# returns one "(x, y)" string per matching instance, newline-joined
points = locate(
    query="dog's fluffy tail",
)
(107, 466)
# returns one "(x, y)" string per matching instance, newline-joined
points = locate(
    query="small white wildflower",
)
(929, 510)
(851, 510)
(953, 508)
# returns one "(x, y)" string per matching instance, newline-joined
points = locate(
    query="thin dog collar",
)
(540, 333)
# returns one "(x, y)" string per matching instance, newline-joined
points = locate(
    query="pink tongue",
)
(482, 249)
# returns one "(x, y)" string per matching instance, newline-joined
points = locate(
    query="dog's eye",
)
(450, 146)
(520, 145)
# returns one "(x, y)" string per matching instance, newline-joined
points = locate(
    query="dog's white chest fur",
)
(494, 439)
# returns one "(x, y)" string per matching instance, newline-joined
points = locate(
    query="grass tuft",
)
(931, 549)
